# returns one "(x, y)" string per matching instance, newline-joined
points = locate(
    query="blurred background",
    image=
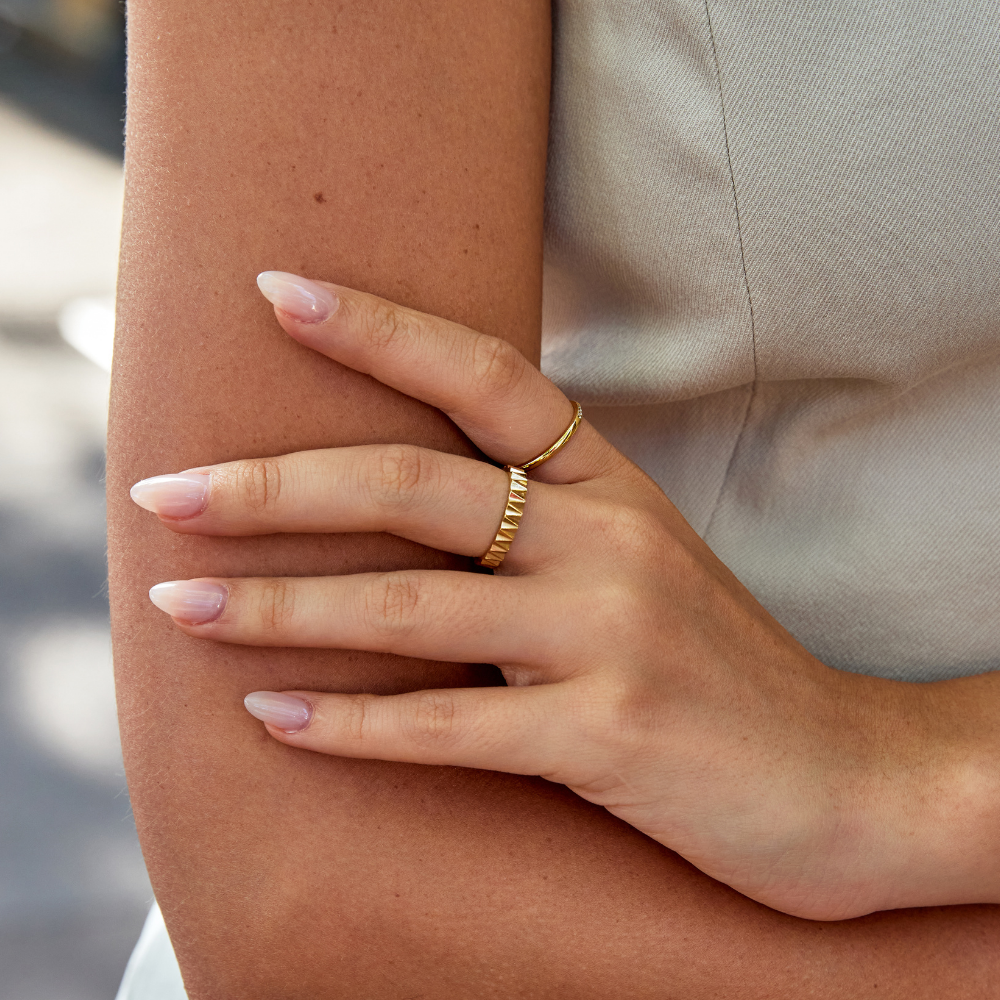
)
(73, 889)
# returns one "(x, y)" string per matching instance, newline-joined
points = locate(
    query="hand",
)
(640, 673)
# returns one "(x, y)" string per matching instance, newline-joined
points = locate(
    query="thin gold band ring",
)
(560, 442)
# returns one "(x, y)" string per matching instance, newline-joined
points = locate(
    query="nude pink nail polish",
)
(177, 496)
(194, 602)
(282, 711)
(304, 300)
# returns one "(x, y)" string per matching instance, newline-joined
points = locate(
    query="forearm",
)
(258, 856)
(947, 788)
(287, 873)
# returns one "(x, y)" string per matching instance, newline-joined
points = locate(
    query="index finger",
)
(505, 405)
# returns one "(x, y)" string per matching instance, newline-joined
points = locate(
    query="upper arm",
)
(397, 148)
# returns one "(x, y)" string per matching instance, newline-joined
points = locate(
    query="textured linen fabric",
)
(772, 273)
(772, 270)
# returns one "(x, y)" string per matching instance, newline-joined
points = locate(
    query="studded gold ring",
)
(560, 442)
(516, 496)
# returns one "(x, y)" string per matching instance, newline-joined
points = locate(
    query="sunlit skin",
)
(284, 873)
(640, 673)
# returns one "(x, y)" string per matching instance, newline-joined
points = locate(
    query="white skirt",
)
(152, 972)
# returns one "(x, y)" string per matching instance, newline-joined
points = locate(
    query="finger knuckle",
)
(276, 605)
(355, 719)
(632, 533)
(628, 716)
(633, 528)
(617, 716)
(435, 718)
(398, 473)
(385, 324)
(496, 366)
(393, 603)
(617, 609)
(258, 484)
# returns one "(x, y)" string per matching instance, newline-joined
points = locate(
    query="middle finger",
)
(441, 500)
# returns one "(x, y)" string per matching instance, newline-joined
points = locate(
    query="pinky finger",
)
(521, 730)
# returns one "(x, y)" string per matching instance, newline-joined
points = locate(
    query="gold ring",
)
(516, 496)
(560, 442)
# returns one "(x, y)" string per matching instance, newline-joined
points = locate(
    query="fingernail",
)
(304, 300)
(183, 495)
(283, 711)
(194, 602)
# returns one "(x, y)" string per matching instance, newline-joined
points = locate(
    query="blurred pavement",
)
(73, 888)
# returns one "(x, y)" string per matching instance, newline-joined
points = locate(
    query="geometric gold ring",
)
(516, 495)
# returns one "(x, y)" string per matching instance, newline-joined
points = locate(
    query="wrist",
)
(934, 817)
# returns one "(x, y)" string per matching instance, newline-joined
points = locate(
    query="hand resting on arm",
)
(398, 148)
(642, 675)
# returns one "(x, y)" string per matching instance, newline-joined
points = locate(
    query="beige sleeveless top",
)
(772, 271)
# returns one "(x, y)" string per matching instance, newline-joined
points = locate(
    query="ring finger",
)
(429, 614)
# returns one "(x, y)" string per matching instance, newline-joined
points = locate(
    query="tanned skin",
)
(397, 148)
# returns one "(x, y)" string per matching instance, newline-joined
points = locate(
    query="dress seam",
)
(732, 181)
(746, 278)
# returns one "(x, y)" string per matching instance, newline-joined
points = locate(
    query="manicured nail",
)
(180, 496)
(304, 300)
(194, 602)
(283, 711)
